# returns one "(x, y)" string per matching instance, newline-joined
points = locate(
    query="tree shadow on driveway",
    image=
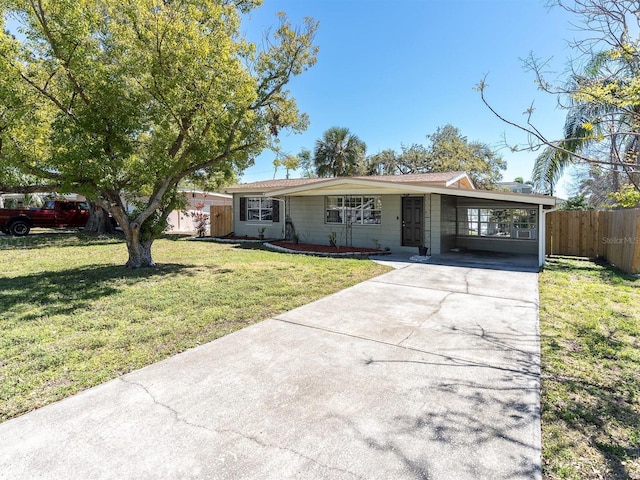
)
(463, 429)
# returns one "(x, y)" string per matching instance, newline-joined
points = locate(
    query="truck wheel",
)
(19, 228)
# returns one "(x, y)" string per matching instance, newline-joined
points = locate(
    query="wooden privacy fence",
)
(613, 235)
(221, 220)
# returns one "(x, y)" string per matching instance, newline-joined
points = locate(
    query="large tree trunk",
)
(139, 250)
(99, 220)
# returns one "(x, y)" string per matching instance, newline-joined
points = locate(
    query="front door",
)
(412, 218)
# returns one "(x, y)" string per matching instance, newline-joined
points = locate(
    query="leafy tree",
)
(602, 127)
(306, 165)
(289, 162)
(450, 151)
(415, 158)
(209, 180)
(626, 197)
(120, 101)
(597, 126)
(412, 159)
(578, 202)
(339, 153)
(447, 151)
(386, 162)
(14, 181)
(595, 183)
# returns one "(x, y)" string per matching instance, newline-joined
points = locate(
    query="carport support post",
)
(542, 235)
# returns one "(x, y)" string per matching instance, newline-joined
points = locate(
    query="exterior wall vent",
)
(524, 234)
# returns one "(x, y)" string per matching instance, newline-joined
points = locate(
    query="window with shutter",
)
(259, 209)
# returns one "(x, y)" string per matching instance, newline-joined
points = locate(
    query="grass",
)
(73, 317)
(590, 326)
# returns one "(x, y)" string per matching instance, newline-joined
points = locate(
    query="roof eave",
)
(395, 188)
(320, 187)
(204, 192)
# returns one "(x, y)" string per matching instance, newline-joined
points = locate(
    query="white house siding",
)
(389, 233)
(435, 245)
(427, 223)
(308, 217)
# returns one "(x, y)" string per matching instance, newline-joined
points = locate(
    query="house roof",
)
(450, 183)
(444, 179)
(268, 185)
(204, 192)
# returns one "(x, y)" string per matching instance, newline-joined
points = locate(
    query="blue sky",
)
(393, 71)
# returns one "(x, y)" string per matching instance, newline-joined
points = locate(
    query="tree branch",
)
(40, 15)
(42, 188)
(532, 131)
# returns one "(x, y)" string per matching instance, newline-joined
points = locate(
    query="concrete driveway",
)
(426, 372)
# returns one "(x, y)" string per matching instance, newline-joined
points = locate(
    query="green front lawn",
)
(73, 317)
(590, 325)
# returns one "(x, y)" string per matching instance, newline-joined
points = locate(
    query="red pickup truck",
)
(18, 222)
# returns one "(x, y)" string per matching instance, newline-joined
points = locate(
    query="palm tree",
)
(603, 128)
(338, 153)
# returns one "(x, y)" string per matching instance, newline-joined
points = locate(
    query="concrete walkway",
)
(426, 372)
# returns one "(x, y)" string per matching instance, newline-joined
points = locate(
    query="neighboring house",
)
(181, 221)
(441, 211)
(517, 187)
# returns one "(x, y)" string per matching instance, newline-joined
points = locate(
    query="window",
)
(259, 209)
(498, 222)
(358, 210)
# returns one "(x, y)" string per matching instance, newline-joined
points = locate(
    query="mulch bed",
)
(312, 247)
(306, 248)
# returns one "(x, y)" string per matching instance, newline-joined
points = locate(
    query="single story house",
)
(440, 211)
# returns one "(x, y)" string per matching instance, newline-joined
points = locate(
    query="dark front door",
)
(412, 218)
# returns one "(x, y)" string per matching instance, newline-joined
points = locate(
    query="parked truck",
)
(54, 214)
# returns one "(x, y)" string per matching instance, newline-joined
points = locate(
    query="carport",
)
(491, 227)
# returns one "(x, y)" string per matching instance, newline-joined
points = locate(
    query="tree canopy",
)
(601, 97)
(120, 101)
(447, 150)
(289, 162)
